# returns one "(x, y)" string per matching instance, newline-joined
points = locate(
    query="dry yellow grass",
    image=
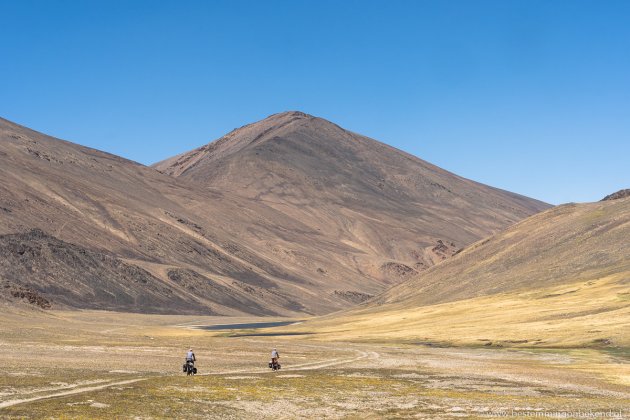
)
(592, 313)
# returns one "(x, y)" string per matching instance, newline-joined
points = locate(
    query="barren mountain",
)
(287, 216)
(557, 278)
(400, 213)
(96, 204)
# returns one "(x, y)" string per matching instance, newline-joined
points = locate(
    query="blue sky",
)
(530, 96)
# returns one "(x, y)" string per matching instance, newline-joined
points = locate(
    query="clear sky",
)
(530, 96)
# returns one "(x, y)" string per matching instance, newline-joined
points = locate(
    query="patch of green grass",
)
(618, 352)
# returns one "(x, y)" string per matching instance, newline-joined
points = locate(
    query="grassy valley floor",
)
(110, 365)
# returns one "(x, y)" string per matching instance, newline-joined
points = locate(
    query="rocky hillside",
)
(619, 194)
(561, 245)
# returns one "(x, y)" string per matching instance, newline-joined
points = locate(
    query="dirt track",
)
(77, 390)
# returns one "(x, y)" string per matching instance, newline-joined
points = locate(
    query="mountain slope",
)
(572, 242)
(403, 214)
(41, 265)
(561, 277)
(109, 205)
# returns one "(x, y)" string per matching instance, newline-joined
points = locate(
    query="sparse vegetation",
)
(90, 357)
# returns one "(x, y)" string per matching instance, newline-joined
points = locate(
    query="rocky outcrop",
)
(619, 194)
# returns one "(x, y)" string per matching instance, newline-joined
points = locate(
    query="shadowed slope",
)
(35, 264)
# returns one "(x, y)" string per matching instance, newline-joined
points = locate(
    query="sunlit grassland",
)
(593, 313)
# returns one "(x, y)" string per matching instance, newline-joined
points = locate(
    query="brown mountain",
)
(289, 215)
(400, 213)
(99, 206)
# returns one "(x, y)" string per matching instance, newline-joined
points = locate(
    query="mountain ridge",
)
(617, 195)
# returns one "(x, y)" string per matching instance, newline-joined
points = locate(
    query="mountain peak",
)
(294, 154)
(277, 119)
(291, 114)
(273, 121)
(282, 125)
